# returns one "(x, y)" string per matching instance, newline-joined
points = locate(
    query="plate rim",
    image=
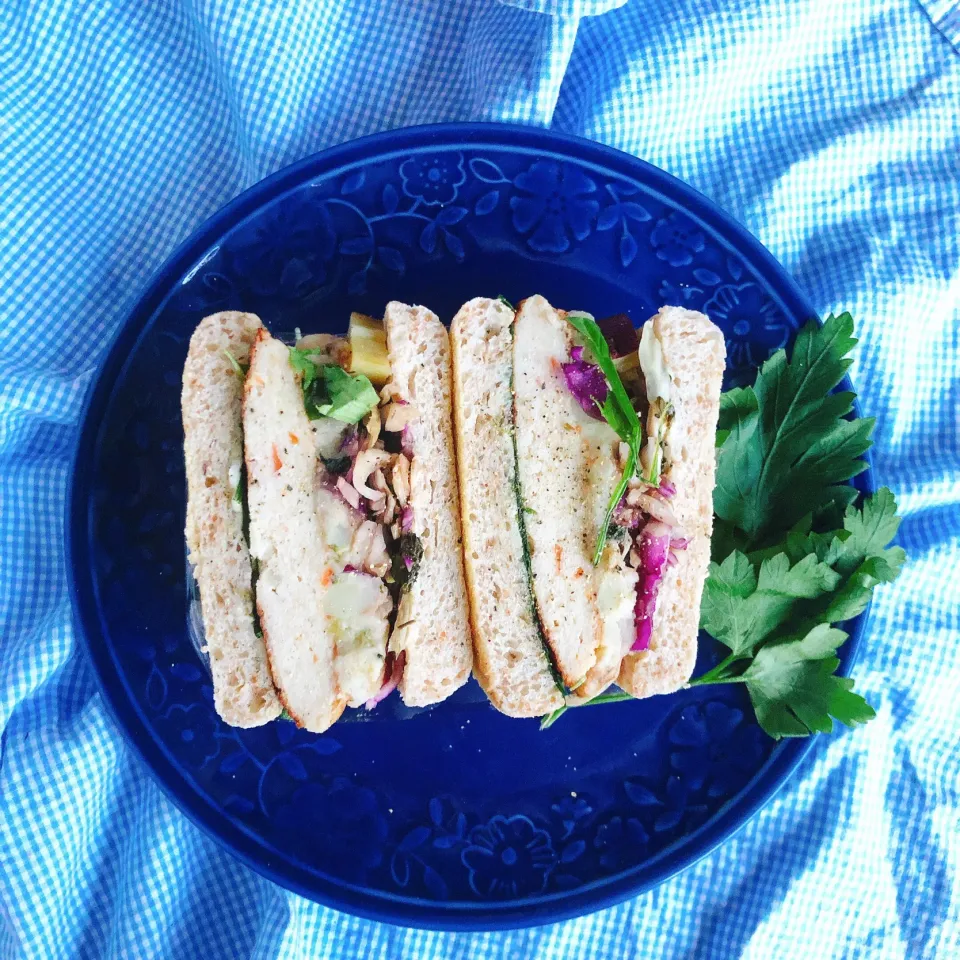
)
(369, 904)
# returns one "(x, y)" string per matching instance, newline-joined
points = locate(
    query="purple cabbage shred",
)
(653, 545)
(585, 381)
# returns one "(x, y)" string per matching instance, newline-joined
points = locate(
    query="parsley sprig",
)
(788, 450)
(793, 554)
(617, 410)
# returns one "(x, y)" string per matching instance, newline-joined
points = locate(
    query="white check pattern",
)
(832, 130)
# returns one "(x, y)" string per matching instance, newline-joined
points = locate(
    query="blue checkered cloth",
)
(829, 128)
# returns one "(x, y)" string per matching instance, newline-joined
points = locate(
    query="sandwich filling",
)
(364, 456)
(644, 536)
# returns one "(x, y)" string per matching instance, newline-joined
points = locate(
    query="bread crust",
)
(432, 625)
(243, 691)
(694, 353)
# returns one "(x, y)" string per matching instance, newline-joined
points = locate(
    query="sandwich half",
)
(211, 401)
(614, 581)
(352, 497)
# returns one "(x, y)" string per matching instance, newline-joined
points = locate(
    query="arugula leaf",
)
(549, 719)
(789, 447)
(794, 690)
(740, 608)
(240, 369)
(617, 410)
(329, 391)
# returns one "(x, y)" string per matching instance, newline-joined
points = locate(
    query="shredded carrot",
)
(277, 462)
(558, 553)
(293, 438)
(327, 578)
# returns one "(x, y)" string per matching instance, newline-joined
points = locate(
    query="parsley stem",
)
(618, 696)
(716, 675)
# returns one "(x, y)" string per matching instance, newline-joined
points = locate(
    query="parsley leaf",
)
(329, 391)
(794, 690)
(789, 449)
(861, 553)
(740, 608)
(617, 410)
(866, 533)
(811, 580)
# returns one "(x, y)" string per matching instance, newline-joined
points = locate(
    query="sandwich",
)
(351, 561)
(212, 403)
(586, 459)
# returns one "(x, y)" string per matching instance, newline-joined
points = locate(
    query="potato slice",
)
(368, 347)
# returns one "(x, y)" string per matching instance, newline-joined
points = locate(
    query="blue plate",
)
(457, 817)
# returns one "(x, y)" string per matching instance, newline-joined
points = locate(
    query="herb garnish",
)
(329, 391)
(240, 369)
(792, 554)
(617, 410)
(510, 426)
(336, 465)
(789, 450)
(506, 302)
(240, 493)
(409, 549)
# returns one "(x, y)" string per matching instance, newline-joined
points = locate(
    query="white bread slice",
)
(694, 354)
(286, 538)
(432, 625)
(509, 659)
(211, 401)
(552, 466)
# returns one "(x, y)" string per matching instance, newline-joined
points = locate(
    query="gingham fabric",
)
(829, 128)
